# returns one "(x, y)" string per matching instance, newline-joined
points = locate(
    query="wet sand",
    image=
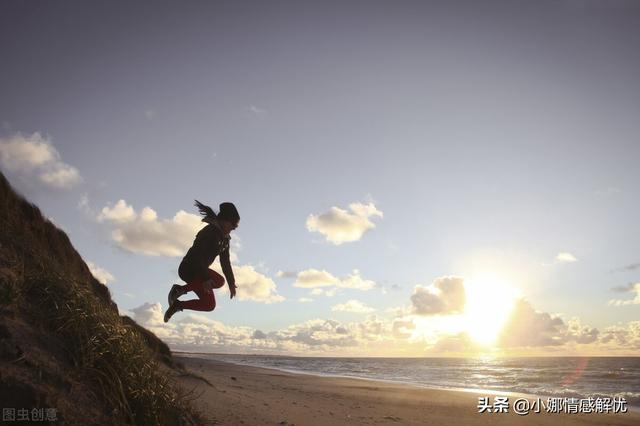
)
(230, 394)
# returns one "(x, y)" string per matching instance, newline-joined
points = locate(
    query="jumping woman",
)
(211, 241)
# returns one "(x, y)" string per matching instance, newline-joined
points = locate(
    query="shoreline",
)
(483, 391)
(178, 352)
(233, 393)
(371, 379)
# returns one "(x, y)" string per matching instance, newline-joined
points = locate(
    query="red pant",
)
(206, 301)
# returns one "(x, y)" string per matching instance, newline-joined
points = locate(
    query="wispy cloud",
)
(30, 155)
(624, 288)
(286, 274)
(627, 268)
(354, 306)
(100, 273)
(256, 110)
(84, 206)
(632, 288)
(341, 226)
(566, 257)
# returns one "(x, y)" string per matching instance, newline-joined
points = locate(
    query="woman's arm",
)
(228, 271)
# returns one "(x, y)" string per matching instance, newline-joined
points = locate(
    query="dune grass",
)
(44, 281)
(105, 350)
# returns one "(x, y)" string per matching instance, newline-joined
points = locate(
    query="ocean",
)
(579, 377)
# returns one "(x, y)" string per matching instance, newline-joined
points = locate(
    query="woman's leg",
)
(218, 280)
(206, 300)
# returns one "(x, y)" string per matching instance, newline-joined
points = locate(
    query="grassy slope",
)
(63, 344)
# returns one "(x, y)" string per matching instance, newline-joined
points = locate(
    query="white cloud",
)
(101, 274)
(63, 176)
(354, 280)
(20, 152)
(259, 334)
(148, 215)
(625, 336)
(399, 311)
(528, 330)
(320, 336)
(340, 226)
(566, 257)
(125, 312)
(254, 286)
(149, 315)
(527, 327)
(445, 296)
(315, 333)
(580, 333)
(34, 154)
(305, 300)
(354, 306)
(189, 331)
(314, 279)
(146, 234)
(402, 328)
(120, 213)
(634, 288)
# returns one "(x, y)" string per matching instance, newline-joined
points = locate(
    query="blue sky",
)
(477, 142)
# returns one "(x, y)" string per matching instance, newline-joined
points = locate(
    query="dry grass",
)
(45, 281)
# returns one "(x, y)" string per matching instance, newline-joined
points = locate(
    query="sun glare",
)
(489, 302)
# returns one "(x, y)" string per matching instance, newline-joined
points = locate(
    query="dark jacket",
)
(208, 244)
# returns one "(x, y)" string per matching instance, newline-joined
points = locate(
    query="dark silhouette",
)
(210, 242)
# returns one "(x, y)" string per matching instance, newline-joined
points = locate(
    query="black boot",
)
(173, 308)
(175, 292)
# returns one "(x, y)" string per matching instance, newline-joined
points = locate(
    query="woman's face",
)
(227, 226)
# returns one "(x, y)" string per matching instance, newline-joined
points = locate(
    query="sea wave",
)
(560, 377)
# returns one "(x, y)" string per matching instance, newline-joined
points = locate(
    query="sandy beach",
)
(231, 394)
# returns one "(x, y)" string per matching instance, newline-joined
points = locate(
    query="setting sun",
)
(489, 302)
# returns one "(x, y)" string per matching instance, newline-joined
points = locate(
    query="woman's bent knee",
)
(218, 280)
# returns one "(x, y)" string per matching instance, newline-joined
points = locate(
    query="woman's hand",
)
(232, 289)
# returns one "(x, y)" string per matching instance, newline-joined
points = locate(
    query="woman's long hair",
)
(206, 211)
